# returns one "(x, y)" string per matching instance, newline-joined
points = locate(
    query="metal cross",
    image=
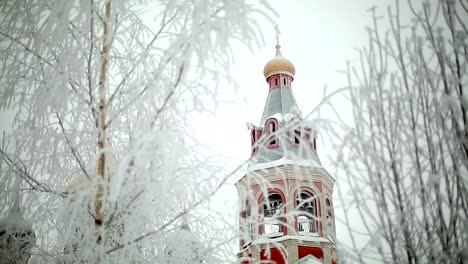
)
(277, 34)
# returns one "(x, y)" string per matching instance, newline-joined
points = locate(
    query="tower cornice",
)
(287, 172)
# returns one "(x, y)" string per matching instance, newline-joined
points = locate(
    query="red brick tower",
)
(286, 213)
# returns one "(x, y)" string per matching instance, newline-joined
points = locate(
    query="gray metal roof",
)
(281, 104)
(279, 100)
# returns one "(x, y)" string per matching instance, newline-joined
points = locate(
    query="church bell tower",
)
(286, 210)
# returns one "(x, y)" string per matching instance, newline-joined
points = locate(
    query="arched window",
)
(329, 217)
(307, 214)
(252, 137)
(272, 130)
(272, 214)
(271, 126)
(253, 140)
(296, 136)
(246, 221)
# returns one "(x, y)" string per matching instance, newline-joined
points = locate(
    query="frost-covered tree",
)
(101, 93)
(405, 157)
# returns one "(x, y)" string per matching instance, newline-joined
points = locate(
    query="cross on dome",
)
(279, 64)
(278, 32)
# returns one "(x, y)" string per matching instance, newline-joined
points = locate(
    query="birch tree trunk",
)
(102, 128)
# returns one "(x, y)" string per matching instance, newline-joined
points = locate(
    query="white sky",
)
(318, 37)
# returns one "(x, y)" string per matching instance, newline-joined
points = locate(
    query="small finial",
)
(17, 186)
(185, 225)
(277, 36)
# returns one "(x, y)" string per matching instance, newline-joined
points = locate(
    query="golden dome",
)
(279, 64)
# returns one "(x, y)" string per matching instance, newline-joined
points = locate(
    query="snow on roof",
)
(185, 247)
(309, 259)
(289, 116)
(277, 116)
(264, 239)
(284, 161)
(78, 184)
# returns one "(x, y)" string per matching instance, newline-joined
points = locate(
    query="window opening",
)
(329, 210)
(329, 216)
(247, 222)
(272, 130)
(272, 212)
(307, 219)
(252, 137)
(276, 81)
(304, 224)
(284, 81)
(297, 136)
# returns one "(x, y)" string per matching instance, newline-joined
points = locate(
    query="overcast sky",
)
(318, 37)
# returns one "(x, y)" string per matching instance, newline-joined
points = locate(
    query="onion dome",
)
(184, 248)
(279, 64)
(16, 238)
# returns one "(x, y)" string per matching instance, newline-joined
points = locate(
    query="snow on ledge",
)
(272, 235)
(284, 161)
(308, 233)
(265, 239)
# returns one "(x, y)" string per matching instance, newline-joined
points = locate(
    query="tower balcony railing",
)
(272, 227)
(307, 226)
